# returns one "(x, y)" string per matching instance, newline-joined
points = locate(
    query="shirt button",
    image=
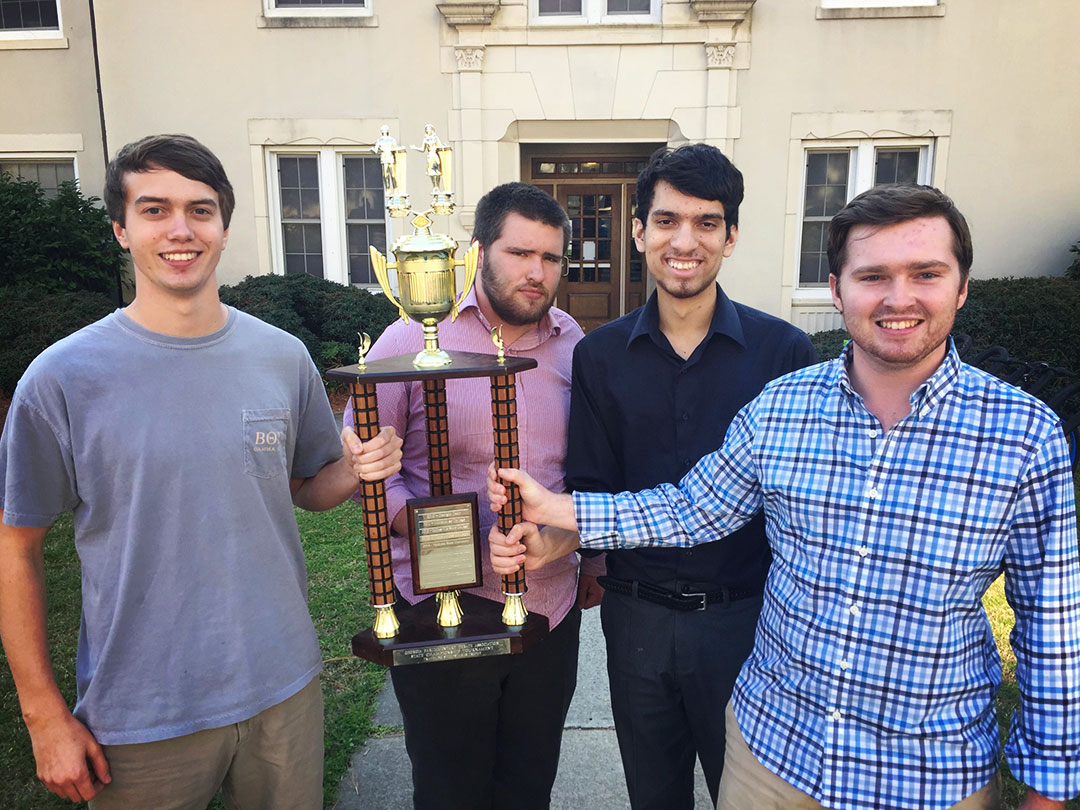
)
(685, 417)
(854, 610)
(845, 664)
(872, 433)
(863, 551)
(872, 492)
(836, 715)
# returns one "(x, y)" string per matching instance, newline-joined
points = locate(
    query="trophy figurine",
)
(443, 528)
(424, 261)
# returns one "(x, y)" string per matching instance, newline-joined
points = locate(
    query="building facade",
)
(815, 100)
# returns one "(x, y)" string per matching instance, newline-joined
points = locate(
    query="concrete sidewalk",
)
(590, 771)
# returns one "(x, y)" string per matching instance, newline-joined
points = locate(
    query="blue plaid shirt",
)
(874, 672)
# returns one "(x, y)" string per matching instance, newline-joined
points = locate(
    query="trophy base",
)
(431, 358)
(421, 640)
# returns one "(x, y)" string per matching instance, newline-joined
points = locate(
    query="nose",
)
(683, 239)
(179, 229)
(534, 268)
(900, 294)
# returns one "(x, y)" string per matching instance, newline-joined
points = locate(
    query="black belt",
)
(676, 601)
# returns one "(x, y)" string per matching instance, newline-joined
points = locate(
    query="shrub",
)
(35, 319)
(325, 315)
(1073, 270)
(59, 243)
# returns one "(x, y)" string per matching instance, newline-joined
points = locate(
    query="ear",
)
(733, 237)
(834, 288)
(479, 253)
(224, 238)
(639, 234)
(120, 234)
(962, 296)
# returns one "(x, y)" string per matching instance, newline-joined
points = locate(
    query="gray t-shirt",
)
(175, 455)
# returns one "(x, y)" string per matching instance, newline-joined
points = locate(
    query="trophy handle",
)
(378, 264)
(469, 261)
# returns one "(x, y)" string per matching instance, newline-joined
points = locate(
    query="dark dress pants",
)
(484, 733)
(671, 674)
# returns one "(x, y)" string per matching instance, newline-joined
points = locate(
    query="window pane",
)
(559, 7)
(896, 166)
(628, 6)
(48, 174)
(317, 3)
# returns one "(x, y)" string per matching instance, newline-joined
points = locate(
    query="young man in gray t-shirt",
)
(181, 433)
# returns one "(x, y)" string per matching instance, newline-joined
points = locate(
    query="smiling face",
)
(519, 272)
(899, 290)
(173, 228)
(684, 241)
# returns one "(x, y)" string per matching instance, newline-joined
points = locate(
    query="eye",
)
(203, 212)
(153, 210)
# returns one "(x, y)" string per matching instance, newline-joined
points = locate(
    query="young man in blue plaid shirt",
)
(897, 484)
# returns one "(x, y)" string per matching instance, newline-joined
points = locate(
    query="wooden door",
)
(590, 290)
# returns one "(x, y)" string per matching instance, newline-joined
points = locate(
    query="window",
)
(835, 174)
(29, 21)
(581, 12)
(316, 8)
(328, 207)
(48, 174)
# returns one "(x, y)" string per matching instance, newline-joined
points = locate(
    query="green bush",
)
(56, 243)
(1073, 270)
(1034, 319)
(34, 319)
(326, 316)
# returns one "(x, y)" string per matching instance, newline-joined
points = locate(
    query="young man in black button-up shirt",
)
(678, 622)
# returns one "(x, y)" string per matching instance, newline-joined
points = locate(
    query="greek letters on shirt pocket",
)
(266, 439)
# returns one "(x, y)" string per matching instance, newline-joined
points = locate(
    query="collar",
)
(725, 321)
(924, 398)
(552, 324)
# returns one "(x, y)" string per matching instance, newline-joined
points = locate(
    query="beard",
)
(511, 310)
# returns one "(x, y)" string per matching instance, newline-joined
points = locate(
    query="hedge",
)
(325, 315)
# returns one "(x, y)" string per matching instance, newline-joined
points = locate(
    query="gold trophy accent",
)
(450, 614)
(424, 261)
(386, 622)
(496, 338)
(362, 349)
(514, 613)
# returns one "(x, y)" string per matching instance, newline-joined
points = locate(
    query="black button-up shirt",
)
(640, 415)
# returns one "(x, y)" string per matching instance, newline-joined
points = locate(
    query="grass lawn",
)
(339, 605)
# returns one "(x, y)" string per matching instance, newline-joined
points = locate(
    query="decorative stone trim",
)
(468, 12)
(720, 54)
(880, 13)
(469, 59)
(735, 11)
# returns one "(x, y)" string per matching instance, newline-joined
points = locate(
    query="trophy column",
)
(505, 424)
(437, 426)
(376, 521)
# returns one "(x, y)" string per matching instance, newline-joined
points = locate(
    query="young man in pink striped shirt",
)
(485, 732)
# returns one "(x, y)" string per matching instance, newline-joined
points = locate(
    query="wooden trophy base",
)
(421, 640)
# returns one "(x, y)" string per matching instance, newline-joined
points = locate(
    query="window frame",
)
(15, 34)
(861, 164)
(332, 219)
(876, 3)
(270, 9)
(44, 157)
(594, 12)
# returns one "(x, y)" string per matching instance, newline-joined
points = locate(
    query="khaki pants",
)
(749, 785)
(274, 761)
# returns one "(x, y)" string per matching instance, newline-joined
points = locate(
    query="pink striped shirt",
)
(543, 403)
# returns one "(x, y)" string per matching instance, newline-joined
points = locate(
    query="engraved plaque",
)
(445, 536)
(452, 652)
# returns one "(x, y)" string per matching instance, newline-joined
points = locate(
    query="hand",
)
(70, 763)
(533, 496)
(1034, 801)
(589, 592)
(375, 459)
(525, 545)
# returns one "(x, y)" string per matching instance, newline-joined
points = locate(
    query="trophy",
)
(444, 533)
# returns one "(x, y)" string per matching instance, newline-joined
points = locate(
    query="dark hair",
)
(697, 170)
(892, 204)
(178, 153)
(518, 198)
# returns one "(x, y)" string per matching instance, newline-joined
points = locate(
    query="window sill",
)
(318, 22)
(879, 13)
(35, 44)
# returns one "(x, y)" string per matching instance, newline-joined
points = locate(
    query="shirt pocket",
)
(266, 440)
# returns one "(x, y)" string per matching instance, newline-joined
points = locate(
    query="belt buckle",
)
(702, 596)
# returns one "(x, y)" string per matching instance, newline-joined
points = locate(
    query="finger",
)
(99, 764)
(507, 565)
